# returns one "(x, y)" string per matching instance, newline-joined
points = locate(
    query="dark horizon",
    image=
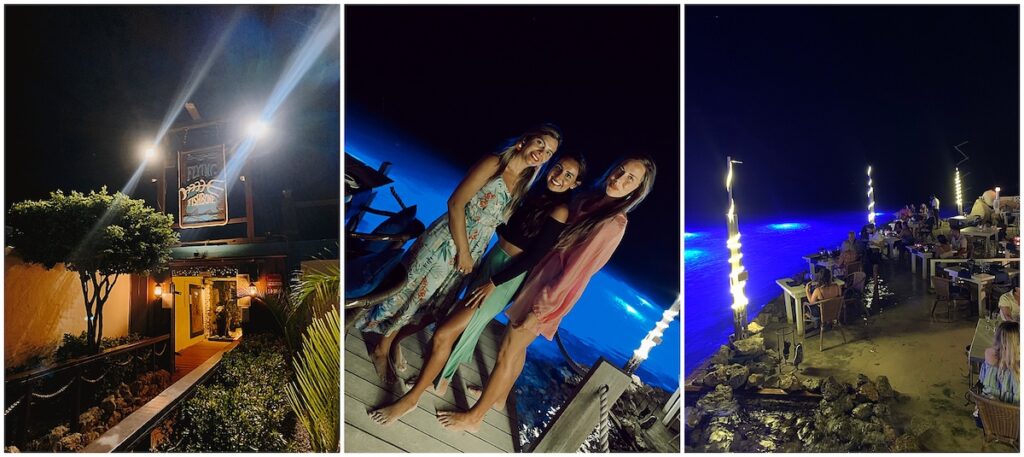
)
(808, 96)
(461, 79)
(94, 83)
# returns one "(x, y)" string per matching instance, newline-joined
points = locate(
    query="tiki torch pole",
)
(737, 274)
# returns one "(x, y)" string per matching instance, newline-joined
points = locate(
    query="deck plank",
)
(356, 440)
(193, 356)
(359, 371)
(456, 393)
(364, 391)
(401, 434)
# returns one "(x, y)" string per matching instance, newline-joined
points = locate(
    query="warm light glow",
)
(959, 194)
(871, 199)
(148, 150)
(252, 289)
(737, 274)
(653, 337)
(159, 290)
(258, 129)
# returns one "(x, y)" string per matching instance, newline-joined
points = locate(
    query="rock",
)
(838, 426)
(754, 328)
(889, 432)
(832, 389)
(694, 416)
(90, 418)
(720, 438)
(868, 392)
(720, 402)
(749, 347)
(766, 445)
(812, 384)
(765, 367)
(715, 377)
(862, 411)
(772, 381)
(882, 410)
(722, 356)
(790, 383)
(906, 443)
(885, 389)
(836, 407)
(736, 375)
(862, 379)
(11, 449)
(108, 404)
(755, 380)
(71, 443)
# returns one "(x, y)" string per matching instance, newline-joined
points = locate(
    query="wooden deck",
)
(194, 355)
(419, 431)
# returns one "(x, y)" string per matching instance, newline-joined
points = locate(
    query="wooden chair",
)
(831, 310)
(942, 294)
(1000, 421)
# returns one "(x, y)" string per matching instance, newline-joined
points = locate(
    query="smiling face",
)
(625, 179)
(564, 175)
(537, 150)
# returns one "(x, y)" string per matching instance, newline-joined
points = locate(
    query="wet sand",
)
(925, 362)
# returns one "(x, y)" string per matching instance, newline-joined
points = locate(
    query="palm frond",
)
(315, 395)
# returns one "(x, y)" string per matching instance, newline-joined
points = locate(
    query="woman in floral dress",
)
(597, 222)
(449, 249)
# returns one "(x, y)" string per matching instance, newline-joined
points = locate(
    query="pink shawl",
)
(554, 284)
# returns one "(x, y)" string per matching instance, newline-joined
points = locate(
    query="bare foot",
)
(476, 392)
(458, 422)
(382, 367)
(389, 414)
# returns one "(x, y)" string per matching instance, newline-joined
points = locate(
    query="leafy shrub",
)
(244, 408)
(73, 347)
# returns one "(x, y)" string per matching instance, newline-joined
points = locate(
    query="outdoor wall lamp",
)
(159, 290)
(252, 289)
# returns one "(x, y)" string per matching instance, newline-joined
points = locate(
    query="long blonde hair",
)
(581, 228)
(529, 174)
(1007, 344)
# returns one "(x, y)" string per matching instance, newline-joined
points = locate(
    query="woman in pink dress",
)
(597, 221)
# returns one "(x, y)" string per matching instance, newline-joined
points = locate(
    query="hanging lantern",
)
(159, 289)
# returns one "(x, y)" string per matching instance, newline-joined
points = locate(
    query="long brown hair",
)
(542, 200)
(581, 228)
(528, 174)
(1007, 344)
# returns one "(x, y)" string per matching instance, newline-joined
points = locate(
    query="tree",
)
(97, 235)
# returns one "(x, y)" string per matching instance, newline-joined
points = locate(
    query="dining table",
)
(793, 296)
(981, 282)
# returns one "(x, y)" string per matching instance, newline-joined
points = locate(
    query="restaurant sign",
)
(202, 189)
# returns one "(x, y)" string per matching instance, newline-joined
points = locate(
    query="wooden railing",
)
(24, 390)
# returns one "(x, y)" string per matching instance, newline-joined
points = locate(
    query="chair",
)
(943, 294)
(831, 310)
(853, 296)
(1000, 421)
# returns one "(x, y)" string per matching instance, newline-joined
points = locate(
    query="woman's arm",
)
(470, 185)
(541, 246)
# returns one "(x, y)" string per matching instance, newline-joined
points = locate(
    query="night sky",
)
(807, 96)
(86, 85)
(462, 79)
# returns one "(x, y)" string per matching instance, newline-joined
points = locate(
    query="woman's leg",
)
(380, 356)
(441, 345)
(408, 330)
(513, 351)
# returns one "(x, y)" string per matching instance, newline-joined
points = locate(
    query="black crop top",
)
(534, 248)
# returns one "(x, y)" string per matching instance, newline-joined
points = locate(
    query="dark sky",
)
(460, 79)
(86, 85)
(807, 96)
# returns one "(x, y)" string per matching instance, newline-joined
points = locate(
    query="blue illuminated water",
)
(772, 249)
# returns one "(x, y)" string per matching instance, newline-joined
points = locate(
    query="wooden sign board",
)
(274, 283)
(202, 188)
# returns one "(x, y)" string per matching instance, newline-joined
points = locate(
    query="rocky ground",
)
(922, 358)
(96, 420)
(822, 416)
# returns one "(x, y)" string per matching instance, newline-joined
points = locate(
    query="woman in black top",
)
(530, 234)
